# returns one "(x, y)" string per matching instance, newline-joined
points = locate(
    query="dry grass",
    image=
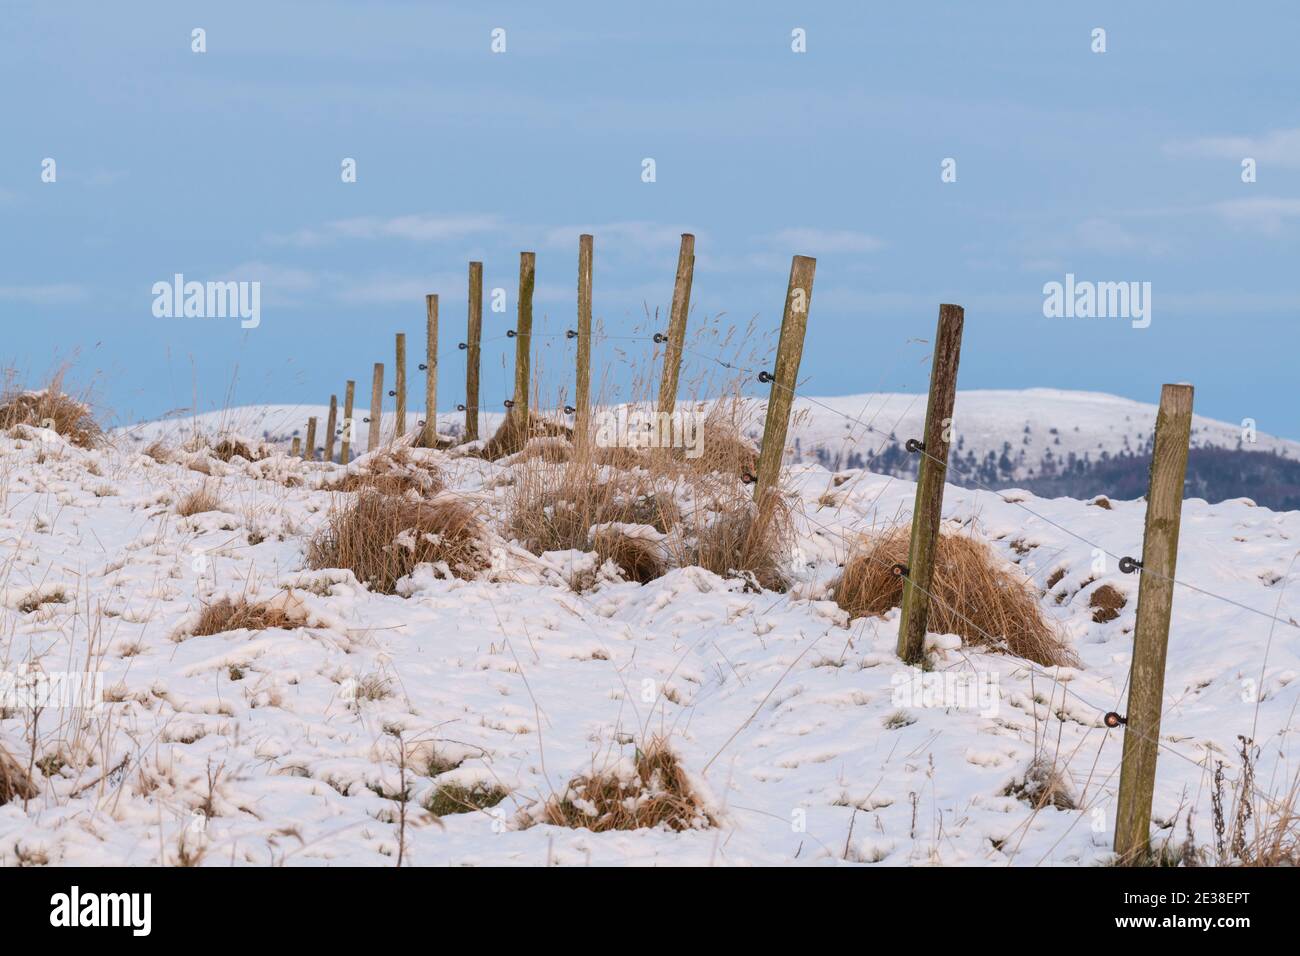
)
(653, 792)
(159, 452)
(15, 784)
(393, 472)
(748, 541)
(514, 434)
(383, 538)
(451, 798)
(235, 615)
(973, 595)
(50, 408)
(230, 447)
(1106, 602)
(640, 559)
(197, 502)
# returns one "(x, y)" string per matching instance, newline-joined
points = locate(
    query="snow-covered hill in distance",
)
(1054, 442)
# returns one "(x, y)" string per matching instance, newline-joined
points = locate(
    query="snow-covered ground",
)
(254, 746)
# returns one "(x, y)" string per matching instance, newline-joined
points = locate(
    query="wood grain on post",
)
(582, 394)
(349, 423)
(399, 387)
(295, 450)
(524, 336)
(472, 350)
(927, 512)
(430, 436)
(677, 324)
(1137, 775)
(309, 452)
(376, 406)
(331, 425)
(785, 376)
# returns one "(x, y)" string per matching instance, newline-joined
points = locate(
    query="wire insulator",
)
(915, 446)
(1129, 565)
(764, 377)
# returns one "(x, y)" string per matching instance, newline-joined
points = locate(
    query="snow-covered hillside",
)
(253, 747)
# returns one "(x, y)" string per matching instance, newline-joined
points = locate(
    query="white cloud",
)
(815, 242)
(1267, 214)
(410, 228)
(633, 235)
(1280, 147)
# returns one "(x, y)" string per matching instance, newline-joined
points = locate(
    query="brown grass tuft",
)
(640, 559)
(514, 434)
(393, 472)
(653, 793)
(745, 540)
(230, 447)
(15, 784)
(383, 538)
(228, 615)
(973, 595)
(159, 452)
(50, 408)
(198, 501)
(1107, 601)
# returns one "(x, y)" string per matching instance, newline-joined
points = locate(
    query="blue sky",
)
(1122, 166)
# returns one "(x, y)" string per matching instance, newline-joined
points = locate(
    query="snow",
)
(803, 732)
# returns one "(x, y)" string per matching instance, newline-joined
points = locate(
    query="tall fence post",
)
(430, 437)
(927, 512)
(785, 375)
(1146, 685)
(399, 386)
(524, 338)
(677, 324)
(310, 451)
(331, 423)
(582, 393)
(376, 406)
(472, 350)
(349, 423)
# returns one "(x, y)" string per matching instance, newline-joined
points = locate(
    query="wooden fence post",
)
(296, 448)
(376, 406)
(430, 437)
(472, 350)
(927, 512)
(399, 386)
(582, 393)
(785, 376)
(349, 424)
(1146, 685)
(331, 423)
(309, 452)
(677, 324)
(524, 337)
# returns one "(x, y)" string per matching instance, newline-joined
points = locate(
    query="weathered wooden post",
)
(677, 324)
(376, 406)
(1146, 685)
(349, 423)
(399, 386)
(582, 394)
(524, 339)
(785, 376)
(295, 450)
(430, 436)
(310, 451)
(472, 350)
(331, 423)
(927, 512)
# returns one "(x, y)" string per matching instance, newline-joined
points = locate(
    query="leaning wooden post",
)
(524, 338)
(927, 512)
(331, 423)
(309, 452)
(399, 386)
(349, 423)
(582, 394)
(430, 366)
(677, 324)
(785, 377)
(376, 406)
(1146, 684)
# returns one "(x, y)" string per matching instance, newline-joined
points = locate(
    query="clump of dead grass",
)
(749, 541)
(383, 538)
(233, 447)
(239, 614)
(640, 558)
(973, 595)
(51, 408)
(15, 783)
(515, 433)
(198, 501)
(1107, 601)
(650, 791)
(393, 472)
